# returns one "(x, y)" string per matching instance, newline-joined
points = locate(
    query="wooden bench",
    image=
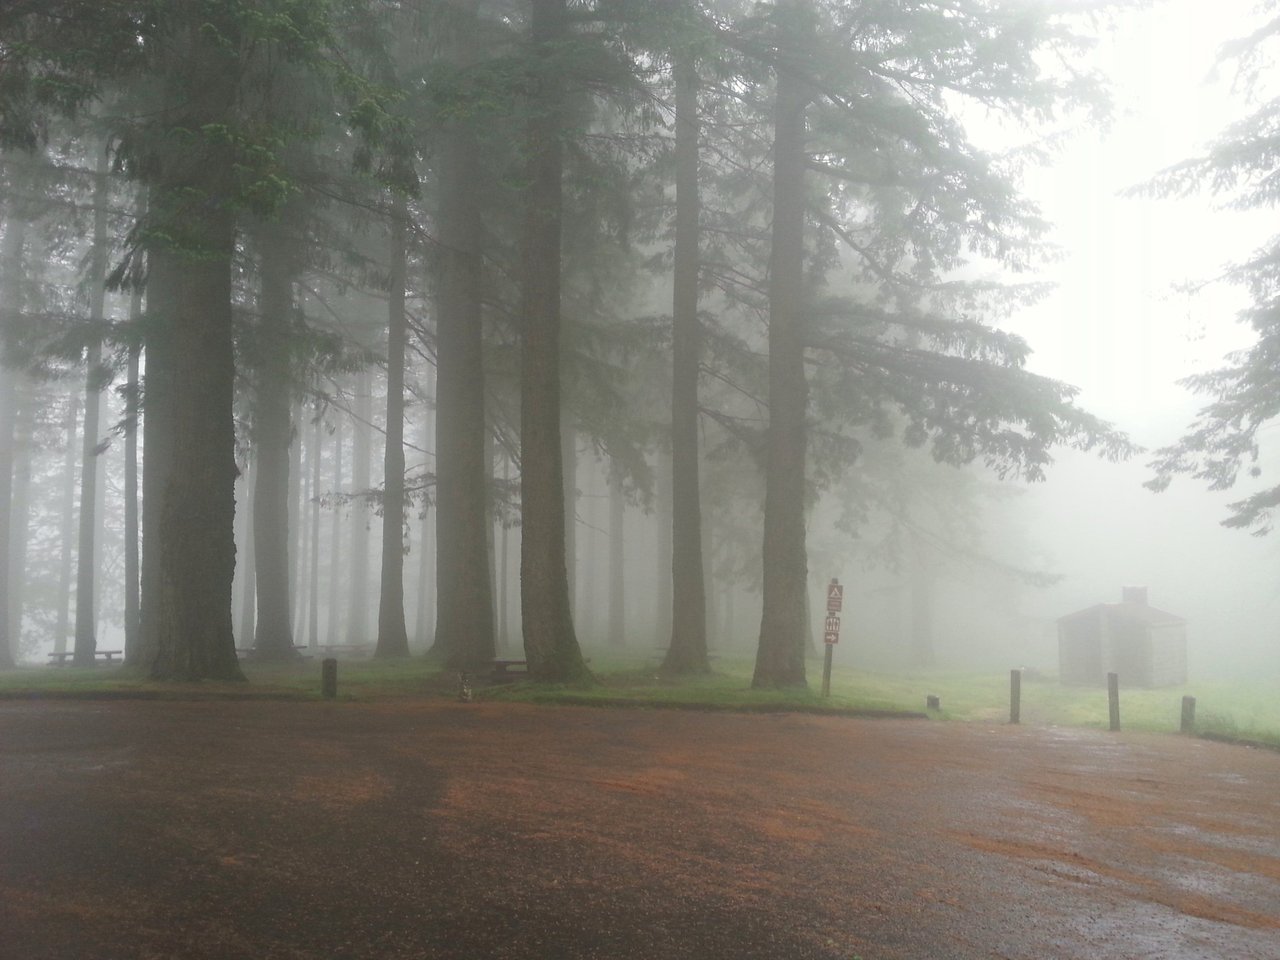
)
(61, 659)
(508, 671)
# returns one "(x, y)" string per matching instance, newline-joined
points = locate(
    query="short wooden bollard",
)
(931, 702)
(1113, 699)
(1188, 714)
(329, 678)
(1015, 696)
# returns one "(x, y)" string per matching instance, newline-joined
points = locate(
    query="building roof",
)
(1131, 612)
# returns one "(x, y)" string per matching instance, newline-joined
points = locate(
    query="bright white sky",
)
(1118, 328)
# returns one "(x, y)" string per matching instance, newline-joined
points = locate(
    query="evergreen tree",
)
(550, 643)
(393, 637)
(1224, 441)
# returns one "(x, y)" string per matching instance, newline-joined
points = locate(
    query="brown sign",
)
(831, 630)
(835, 596)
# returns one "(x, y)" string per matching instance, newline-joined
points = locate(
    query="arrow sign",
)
(835, 596)
(831, 630)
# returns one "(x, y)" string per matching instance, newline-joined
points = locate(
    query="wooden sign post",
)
(831, 630)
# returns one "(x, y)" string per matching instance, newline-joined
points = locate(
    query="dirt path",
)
(442, 830)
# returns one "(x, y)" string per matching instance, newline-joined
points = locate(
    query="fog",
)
(945, 566)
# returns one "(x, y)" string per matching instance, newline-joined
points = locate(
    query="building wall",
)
(1168, 655)
(1080, 650)
(1128, 652)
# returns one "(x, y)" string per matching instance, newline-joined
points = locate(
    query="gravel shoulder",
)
(441, 830)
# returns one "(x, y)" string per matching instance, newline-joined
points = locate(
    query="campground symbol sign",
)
(835, 596)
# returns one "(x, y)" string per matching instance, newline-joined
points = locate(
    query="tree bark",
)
(424, 623)
(503, 585)
(491, 531)
(665, 554)
(86, 634)
(334, 612)
(195, 548)
(304, 455)
(569, 466)
(272, 439)
(298, 482)
(131, 553)
(361, 481)
(780, 655)
(164, 293)
(708, 581)
(248, 566)
(189, 430)
(393, 637)
(617, 560)
(11, 302)
(71, 429)
(550, 644)
(464, 589)
(313, 593)
(920, 586)
(687, 652)
(587, 582)
(20, 506)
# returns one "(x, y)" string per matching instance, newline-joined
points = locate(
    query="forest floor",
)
(409, 829)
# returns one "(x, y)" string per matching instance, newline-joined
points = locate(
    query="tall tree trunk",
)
(780, 655)
(297, 497)
(86, 554)
(424, 623)
(334, 612)
(361, 481)
(302, 535)
(272, 439)
(20, 508)
(189, 433)
(464, 589)
(687, 652)
(11, 303)
(569, 464)
(100, 519)
(585, 615)
(491, 531)
(729, 628)
(248, 566)
(664, 556)
(164, 294)
(504, 565)
(71, 429)
(617, 560)
(550, 644)
(393, 637)
(195, 548)
(921, 590)
(708, 580)
(131, 571)
(313, 591)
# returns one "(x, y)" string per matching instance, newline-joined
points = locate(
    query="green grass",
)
(1238, 710)
(1248, 710)
(1244, 707)
(357, 679)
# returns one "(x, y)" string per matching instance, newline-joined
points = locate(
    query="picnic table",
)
(60, 658)
(508, 671)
